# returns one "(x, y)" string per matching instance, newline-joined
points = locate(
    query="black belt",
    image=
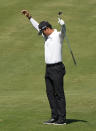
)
(50, 65)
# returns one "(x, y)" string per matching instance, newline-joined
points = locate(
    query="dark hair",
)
(44, 24)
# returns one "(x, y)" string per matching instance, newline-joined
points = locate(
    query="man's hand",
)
(60, 21)
(26, 13)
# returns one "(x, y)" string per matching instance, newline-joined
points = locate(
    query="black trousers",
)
(55, 91)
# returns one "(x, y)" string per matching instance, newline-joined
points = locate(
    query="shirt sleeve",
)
(35, 24)
(63, 30)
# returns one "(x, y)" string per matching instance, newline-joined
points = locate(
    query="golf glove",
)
(60, 21)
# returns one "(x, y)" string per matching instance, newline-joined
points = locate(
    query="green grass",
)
(23, 102)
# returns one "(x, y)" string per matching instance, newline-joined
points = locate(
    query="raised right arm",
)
(34, 22)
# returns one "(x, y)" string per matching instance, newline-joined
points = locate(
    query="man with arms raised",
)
(55, 69)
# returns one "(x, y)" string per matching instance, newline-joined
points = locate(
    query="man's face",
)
(47, 31)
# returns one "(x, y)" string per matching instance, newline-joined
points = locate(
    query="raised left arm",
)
(63, 27)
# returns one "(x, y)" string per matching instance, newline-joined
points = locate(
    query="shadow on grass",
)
(69, 121)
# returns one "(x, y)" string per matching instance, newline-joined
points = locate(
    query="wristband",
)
(29, 17)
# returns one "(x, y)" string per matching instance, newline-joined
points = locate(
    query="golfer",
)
(55, 69)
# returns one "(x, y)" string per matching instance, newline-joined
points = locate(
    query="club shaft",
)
(73, 57)
(68, 43)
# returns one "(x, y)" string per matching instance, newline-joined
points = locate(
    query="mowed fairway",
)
(23, 102)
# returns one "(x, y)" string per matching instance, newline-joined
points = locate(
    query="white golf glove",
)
(60, 21)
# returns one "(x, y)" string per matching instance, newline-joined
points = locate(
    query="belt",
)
(55, 64)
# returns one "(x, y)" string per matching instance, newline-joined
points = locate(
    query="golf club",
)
(67, 41)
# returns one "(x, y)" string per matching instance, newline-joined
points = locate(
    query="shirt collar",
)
(51, 35)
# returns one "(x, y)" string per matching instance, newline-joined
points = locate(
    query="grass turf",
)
(23, 102)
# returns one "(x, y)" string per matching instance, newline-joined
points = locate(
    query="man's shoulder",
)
(56, 31)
